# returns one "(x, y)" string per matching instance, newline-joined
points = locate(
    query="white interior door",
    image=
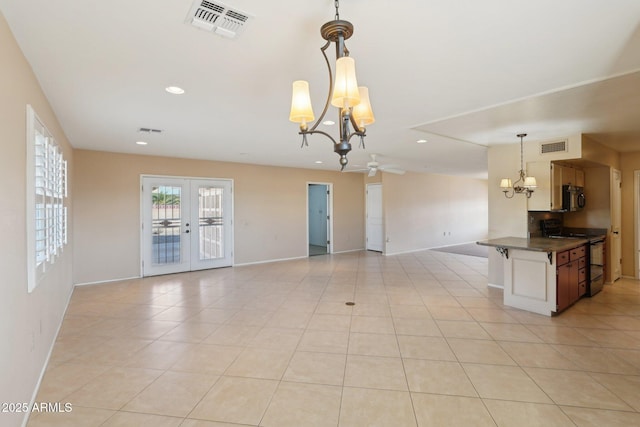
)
(616, 220)
(636, 196)
(186, 225)
(375, 226)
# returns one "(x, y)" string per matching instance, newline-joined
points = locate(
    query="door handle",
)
(616, 232)
(187, 231)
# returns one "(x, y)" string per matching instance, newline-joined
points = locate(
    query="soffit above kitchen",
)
(460, 75)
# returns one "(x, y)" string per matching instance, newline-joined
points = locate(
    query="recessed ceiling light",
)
(421, 141)
(174, 90)
(318, 162)
(141, 142)
(328, 123)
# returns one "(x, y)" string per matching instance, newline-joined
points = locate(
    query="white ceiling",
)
(462, 74)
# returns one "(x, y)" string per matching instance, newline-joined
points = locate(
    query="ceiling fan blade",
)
(357, 170)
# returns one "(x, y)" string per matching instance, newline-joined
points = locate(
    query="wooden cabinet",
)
(571, 276)
(568, 175)
(548, 195)
(562, 287)
(555, 195)
(550, 177)
(571, 175)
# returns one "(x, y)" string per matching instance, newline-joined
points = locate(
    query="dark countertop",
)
(537, 244)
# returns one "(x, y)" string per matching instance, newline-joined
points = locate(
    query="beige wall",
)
(595, 152)
(507, 217)
(427, 210)
(629, 163)
(28, 321)
(270, 210)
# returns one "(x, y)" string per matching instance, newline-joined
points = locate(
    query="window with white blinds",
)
(46, 193)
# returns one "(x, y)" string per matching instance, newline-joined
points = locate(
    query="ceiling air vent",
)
(149, 130)
(553, 147)
(217, 18)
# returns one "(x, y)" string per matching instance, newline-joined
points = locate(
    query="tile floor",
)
(427, 343)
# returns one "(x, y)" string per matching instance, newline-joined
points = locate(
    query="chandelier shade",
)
(505, 183)
(301, 109)
(345, 88)
(362, 113)
(530, 182)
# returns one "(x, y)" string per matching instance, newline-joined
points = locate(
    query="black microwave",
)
(573, 198)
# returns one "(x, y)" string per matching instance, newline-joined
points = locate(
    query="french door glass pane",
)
(210, 214)
(166, 224)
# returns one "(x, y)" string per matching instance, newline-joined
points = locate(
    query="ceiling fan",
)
(373, 167)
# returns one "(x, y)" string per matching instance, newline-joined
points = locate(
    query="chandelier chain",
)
(521, 155)
(337, 5)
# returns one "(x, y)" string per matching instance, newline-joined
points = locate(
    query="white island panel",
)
(530, 281)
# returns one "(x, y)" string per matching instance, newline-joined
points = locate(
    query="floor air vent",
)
(553, 147)
(217, 18)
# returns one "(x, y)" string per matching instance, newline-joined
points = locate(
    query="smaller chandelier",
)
(524, 185)
(344, 93)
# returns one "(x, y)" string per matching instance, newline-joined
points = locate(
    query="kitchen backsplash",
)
(535, 217)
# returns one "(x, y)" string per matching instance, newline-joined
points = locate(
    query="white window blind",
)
(46, 192)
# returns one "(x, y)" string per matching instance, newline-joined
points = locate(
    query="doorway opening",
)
(319, 218)
(375, 221)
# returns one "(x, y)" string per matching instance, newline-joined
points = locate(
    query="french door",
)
(186, 224)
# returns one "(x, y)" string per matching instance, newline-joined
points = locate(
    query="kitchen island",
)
(532, 279)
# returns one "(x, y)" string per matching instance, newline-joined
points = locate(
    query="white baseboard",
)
(491, 285)
(350, 250)
(269, 261)
(406, 252)
(100, 282)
